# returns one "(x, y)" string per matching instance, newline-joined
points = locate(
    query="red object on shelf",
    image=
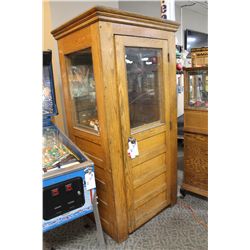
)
(197, 104)
(178, 66)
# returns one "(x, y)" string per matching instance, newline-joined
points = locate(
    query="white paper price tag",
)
(90, 180)
(133, 149)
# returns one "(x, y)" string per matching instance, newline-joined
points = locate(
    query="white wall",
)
(63, 11)
(147, 8)
(49, 43)
(190, 20)
(55, 13)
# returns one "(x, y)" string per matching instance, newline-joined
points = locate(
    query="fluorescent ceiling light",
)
(148, 63)
(144, 59)
(191, 39)
(128, 61)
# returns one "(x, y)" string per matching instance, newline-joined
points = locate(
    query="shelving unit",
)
(196, 131)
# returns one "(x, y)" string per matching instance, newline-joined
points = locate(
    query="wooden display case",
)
(196, 131)
(199, 57)
(118, 74)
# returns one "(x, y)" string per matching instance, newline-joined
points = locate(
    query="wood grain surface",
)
(130, 191)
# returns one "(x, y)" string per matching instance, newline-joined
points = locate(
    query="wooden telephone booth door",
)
(143, 85)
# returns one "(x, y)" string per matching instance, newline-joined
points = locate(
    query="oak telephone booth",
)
(118, 74)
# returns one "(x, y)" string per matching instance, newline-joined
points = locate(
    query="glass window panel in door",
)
(198, 89)
(144, 79)
(82, 89)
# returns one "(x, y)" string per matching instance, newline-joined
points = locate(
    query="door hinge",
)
(170, 125)
(168, 57)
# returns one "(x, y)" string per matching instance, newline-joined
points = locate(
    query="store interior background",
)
(55, 13)
(24, 30)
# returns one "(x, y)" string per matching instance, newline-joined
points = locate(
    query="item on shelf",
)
(82, 88)
(198, 86)
(47, 99)
(94, 124)
(199, 57)
(179, 66)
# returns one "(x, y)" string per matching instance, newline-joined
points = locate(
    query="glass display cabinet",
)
(118, 74)
(197, 88)
(195, 131)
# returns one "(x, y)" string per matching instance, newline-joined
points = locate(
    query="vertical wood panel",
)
(172, 139)
(109, 192)
(113, 129)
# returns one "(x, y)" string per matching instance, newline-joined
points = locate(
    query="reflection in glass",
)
(198, 89)
(82, 88)
(144, 76)
(47, 95)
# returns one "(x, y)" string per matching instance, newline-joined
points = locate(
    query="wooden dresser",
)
(195, 131)
(118, 76)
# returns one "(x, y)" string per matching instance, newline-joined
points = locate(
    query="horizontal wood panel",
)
(148, 196)
(149, 132)
(104, 211)
(196, 121)
(90, 148)
(149, 176)
(155, 161)
(194, 189)
(106, 226)
(156, 201)
(149, 189)
(97, 161)
(77, 41)
(101, 185)
(149, 155)
(152, 142)
(138, 31)
(87, 135)
(101, 191)
(151, 213)
(143, 173)
(100, 173)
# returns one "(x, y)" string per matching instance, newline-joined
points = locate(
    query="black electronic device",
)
(195, 39)
(62, 197)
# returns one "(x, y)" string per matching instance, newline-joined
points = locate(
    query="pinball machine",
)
(68, 175)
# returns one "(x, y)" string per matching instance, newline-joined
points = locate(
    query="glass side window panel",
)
(144, 78)
(82, 89)
(47, 99)
(198, 89)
